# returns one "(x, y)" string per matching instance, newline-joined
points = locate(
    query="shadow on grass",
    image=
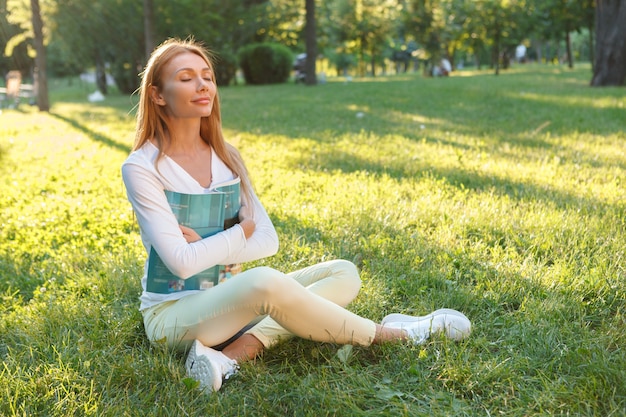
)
(460, 177)
(517, 109)
(98, 137)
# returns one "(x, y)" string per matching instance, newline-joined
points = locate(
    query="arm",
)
(262, 243)
(266, 238)
(159, 229)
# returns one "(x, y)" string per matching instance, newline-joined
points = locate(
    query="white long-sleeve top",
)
(158, 226)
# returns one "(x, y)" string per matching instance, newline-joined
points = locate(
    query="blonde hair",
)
(153, 124)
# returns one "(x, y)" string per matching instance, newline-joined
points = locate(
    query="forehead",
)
(186, 61)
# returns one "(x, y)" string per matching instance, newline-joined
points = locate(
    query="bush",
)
(126, 76)
(225, 64)
(61, 63)
(342, 61)
(265, 63)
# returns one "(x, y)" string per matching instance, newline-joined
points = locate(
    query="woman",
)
(179, 147)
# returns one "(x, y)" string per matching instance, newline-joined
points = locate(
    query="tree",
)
(280, 21)
(506, 25)
(311, 43)
(41, 78)
(336, 33)
(558, 19)
(375, 27)
(13, 49)
(148, 26)
(442, 26)
(224, 27)
(358, 28)
(426, 21)
(28, 18)
(610, 55)
(97, 34)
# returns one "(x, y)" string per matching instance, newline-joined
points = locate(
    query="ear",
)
(156, 96)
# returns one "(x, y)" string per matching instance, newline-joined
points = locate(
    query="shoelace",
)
(230, 371)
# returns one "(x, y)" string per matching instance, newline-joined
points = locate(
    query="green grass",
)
(501, 196)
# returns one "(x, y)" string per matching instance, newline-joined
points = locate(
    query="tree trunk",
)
(496, 49)
(592, 49)
(496, 57)
(148, 26)
(539, 50)
(101, 76)
(610, 55)
(311, 43)
(568, 49)
(41, 81)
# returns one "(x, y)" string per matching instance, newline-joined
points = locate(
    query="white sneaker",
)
(209, 366)
(454, 323)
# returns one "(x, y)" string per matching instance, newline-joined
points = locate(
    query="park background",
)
(497, 190)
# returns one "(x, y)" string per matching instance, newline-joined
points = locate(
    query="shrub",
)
(126, 75)
(225, 64)
(61, 63)
(341, 61)
(265, 63)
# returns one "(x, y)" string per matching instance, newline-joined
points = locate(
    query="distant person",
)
(443, 69)
(446, 67)
(520, 53)
(179, 146)
(299, 67)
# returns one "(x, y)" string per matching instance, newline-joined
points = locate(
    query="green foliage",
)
(13, 51)
(62, 62)
(342, 61)
(94, 33)
(225, 65)
(126, 75)
(499, 196)
(265, 63)
(83, 34)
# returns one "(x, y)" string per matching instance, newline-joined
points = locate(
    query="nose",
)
(204, 85)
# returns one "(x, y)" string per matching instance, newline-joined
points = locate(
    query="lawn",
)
(500, 196)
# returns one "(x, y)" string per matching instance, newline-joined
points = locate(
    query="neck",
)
(185, 136)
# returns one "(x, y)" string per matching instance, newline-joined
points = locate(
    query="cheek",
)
(169, 95)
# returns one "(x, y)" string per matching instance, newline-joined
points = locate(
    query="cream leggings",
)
(308, 303)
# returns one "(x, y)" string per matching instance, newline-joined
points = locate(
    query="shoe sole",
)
(454, 333)
(201, 369)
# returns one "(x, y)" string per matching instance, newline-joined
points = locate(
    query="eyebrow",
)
(205, 69)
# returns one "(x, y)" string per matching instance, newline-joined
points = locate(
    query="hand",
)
(189, 234)
(245, 213)
(246, 221)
